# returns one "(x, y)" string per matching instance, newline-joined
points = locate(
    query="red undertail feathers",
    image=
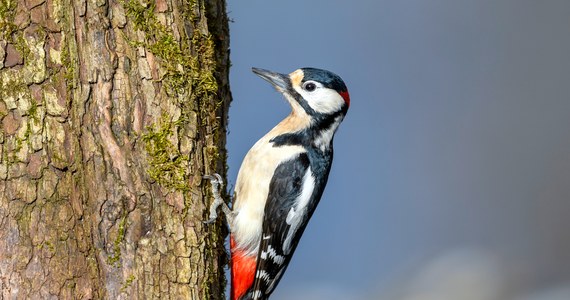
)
(243, 271)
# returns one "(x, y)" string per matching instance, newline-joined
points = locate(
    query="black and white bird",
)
(282, 179)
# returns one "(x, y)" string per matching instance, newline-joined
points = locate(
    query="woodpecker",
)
(281, 180)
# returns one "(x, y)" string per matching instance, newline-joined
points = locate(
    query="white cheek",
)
(323, 100)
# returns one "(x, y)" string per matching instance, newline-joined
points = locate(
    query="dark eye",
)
(310, 86)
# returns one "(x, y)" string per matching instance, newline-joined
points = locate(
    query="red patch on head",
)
(346, 97)
(243, 271)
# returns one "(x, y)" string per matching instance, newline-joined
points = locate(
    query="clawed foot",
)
(217, 183)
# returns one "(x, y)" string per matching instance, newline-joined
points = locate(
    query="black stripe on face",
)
(304, 104)
(309, 110)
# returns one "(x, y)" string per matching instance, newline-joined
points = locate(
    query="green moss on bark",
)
(128, 282)
(189, 67)
(115, 259)
(7, 13)
(167, 166)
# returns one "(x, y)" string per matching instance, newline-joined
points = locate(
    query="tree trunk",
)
(111, 112)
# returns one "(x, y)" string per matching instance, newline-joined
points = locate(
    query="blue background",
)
(451, 177)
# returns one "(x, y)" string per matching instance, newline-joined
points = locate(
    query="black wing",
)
(292, 199)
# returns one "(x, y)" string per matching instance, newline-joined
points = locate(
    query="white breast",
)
(252, 188)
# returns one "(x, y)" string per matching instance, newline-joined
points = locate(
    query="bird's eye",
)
(310, 86)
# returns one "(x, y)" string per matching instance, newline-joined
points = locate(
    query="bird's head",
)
(315, 92)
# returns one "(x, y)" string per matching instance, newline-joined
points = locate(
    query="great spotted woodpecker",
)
(281, 180)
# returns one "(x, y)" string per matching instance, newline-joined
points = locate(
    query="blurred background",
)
(451, 177)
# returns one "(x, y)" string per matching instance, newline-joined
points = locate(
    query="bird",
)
(281, 180)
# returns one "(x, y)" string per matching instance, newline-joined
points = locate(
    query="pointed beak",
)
(281, 82)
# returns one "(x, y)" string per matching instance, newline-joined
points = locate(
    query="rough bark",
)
(111, 112)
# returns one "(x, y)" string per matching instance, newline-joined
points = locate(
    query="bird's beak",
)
(281, 82)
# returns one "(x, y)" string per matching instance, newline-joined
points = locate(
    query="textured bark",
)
(111, 112)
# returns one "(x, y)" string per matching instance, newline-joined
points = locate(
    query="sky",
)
(451, 177)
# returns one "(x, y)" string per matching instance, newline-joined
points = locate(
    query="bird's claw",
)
(215, 179)
(217, 182)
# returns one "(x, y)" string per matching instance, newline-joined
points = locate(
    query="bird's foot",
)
(217, 183)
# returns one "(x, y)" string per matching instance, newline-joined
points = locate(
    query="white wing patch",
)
(299, 211)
